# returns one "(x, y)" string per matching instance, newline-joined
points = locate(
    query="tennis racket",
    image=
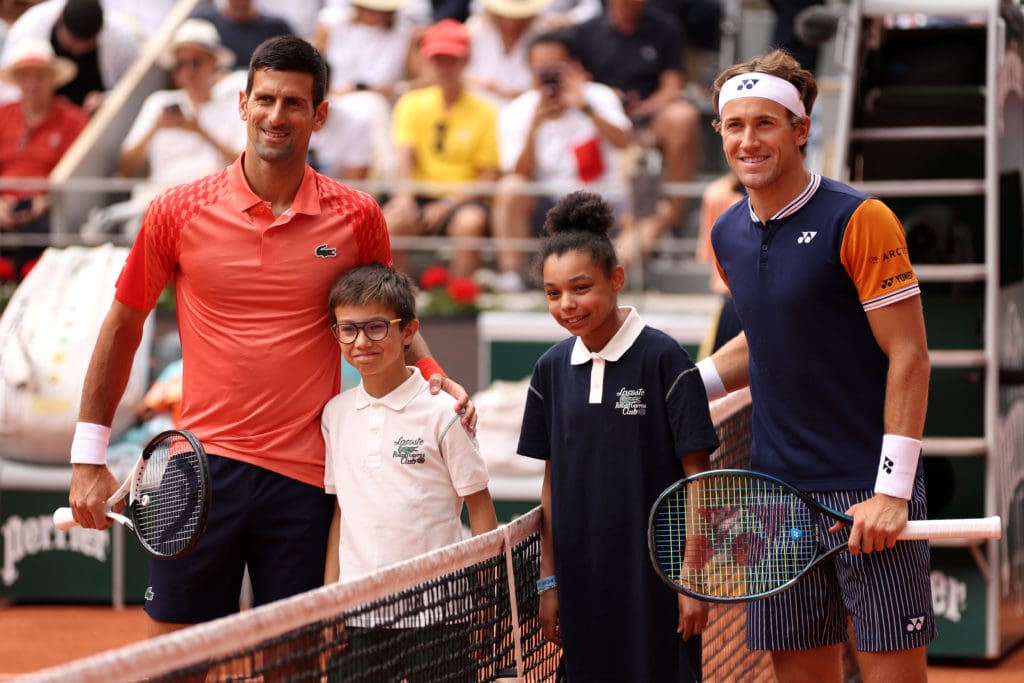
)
(738, 535)
(168, 496)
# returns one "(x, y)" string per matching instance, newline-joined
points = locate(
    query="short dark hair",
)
(290, 53)
(82, 18)
(374, 283)
(580, 222)
(554, 38)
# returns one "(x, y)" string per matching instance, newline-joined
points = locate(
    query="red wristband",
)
(428, 366)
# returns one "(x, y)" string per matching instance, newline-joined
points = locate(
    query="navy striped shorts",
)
(887, 594)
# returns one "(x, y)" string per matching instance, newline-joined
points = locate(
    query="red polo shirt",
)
(259, 359)
(32, 153)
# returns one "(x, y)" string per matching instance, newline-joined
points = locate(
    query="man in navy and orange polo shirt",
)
(252, 251)
(834, 350)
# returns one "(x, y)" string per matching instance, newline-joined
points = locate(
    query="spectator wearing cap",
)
(101, 47)
(243, 27)
(637, 49)
(442, 134)
(365, 46)
(35, 132)
(181, 134)
(501, 33)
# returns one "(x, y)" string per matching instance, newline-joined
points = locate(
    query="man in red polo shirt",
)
(252, 251)
(35, 132)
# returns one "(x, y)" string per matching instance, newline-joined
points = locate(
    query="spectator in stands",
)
(10, 10)
(242, 26)
(561, 14)
(343, 148)
(443, 133)
(178, 135)
(500, 34)
(300, 14)
(637, 49)
(565, 130)
(35, 132)
(365, 47)
(143, 16)
(101, 47)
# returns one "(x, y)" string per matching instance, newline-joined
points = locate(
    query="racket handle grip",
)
(63, 519)
(932, 529)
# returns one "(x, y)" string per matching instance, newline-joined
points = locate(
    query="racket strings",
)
(166, 506)
(732, 536)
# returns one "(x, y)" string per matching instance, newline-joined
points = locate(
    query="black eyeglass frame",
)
(361, 327)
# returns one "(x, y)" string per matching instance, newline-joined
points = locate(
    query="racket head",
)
(732, 535)
(169, 498)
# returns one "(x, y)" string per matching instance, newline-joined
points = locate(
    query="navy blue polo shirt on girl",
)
(615, 426)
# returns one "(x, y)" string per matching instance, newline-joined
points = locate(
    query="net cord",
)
(221, 637)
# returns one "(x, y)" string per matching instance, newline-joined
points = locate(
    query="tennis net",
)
(467, 612)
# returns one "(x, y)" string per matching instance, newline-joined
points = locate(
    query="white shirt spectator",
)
(176, 155)
(145, 16)
(300, 14)
(346, 138)
(358, 53)
(488, 60)
(558, 140)
(116, 50)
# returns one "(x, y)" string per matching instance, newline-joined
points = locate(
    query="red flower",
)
(27, 267)
(462, 290)
(435, 276)
(6, 269)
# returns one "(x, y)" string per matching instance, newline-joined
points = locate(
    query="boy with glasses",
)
(398, 459)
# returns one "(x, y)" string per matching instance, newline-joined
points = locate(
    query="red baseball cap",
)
(446, 37)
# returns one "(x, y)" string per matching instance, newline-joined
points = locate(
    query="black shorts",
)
(273, 524)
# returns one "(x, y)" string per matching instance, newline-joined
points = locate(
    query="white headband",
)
(757, 84)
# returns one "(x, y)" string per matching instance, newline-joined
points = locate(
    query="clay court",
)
(33, 637)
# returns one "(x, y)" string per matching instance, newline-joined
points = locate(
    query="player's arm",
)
(105, 382)
(418, 354)
(900, 332)
(727, 369)
(332, 567)
(482, 517)
(549, 597)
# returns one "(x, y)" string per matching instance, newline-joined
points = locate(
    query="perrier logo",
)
(409, 451)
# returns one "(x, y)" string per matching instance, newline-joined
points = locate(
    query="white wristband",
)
(897, 467)
(89, 446)
(713, 385)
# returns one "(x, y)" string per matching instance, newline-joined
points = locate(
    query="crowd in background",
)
(434, 98)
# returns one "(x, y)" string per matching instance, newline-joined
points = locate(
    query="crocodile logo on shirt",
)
(409, 451)
(324, 251)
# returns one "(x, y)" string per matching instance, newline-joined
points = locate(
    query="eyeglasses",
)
(375, 330)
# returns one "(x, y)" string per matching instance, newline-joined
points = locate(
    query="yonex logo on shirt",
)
(805, 237)
(149, 593)
(913, 624)
(324, 251)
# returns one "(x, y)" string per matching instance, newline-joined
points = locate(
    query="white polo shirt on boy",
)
(400, 466)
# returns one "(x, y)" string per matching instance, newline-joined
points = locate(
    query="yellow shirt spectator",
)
(452, 145)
